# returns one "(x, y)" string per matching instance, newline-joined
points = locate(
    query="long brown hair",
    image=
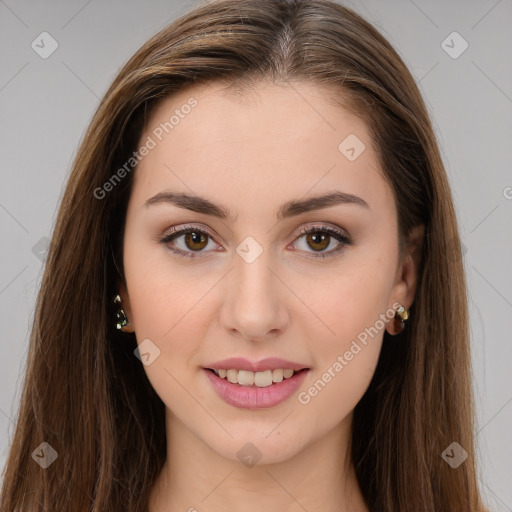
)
(88, 397)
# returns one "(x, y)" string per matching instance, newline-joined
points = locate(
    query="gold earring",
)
(403, 313)
(121, 319)
(401, 316)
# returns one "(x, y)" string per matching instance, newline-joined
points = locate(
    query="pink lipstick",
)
(254, 385)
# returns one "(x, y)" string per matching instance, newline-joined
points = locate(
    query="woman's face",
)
(246, 283)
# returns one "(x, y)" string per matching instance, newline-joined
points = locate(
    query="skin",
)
(252, 153)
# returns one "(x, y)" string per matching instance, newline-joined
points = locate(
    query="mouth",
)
(261, 379)
(255, 390)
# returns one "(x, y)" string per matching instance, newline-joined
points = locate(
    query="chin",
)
(250, 446)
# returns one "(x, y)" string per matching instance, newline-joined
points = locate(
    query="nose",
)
(254, 305)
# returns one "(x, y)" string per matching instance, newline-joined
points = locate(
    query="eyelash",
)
(335, 233)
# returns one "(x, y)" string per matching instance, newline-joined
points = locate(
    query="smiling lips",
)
(265, 383)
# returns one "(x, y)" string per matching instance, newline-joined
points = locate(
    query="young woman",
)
(254, 297)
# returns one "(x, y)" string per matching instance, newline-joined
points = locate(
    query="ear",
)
(125, 305)
(406, 280)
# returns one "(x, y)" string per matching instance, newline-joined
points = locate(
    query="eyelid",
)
(323, 228)
(183, 227)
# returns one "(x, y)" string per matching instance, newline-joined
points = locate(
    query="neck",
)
(321, 476)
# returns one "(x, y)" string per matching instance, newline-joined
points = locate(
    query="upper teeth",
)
(259, 379)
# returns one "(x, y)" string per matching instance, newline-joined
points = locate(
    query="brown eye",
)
(190, 242)
(196, 240)
(318, 242)
(316, 239)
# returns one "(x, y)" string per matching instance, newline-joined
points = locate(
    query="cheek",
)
(350, 301)
(341, 383)
(345, 361)
(171, 306)
(167, 310)
(354, 310)
(171, 314)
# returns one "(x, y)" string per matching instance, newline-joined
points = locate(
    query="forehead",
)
(267, 112)
(261, 143)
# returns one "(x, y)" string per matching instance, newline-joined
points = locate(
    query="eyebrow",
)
(289, 209)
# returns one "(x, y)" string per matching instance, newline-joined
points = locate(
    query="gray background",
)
(46, 104)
